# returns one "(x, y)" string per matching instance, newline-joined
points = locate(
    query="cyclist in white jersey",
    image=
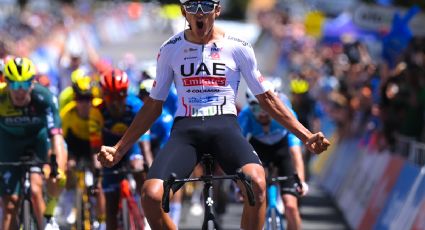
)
(205, 65)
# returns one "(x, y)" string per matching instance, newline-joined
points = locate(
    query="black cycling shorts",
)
(278, 155)
(191, 137)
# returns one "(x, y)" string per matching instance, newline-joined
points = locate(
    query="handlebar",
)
(168, 184)
(29, 161)
(285, 178)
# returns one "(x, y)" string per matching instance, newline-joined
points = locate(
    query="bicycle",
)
(209, 222)
(275, 220)
(27, 162)
(130, 208)
(85, 189)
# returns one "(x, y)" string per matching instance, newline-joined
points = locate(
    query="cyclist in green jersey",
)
(29, 120)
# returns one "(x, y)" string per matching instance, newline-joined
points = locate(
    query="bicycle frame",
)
(26, 209)
(210, 221)
(274, 219)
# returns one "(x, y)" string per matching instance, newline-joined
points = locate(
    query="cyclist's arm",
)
(297, 161)
(281, 113)
(58, 147)
(144, 119)
(145, 147)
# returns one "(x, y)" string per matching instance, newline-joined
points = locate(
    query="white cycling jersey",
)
(206, 76)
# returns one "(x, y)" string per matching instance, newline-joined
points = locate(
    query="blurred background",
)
(362, 65)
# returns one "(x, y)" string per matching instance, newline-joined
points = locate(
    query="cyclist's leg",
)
(37, 197)
(232, 152)
(288, 188)
(112, 204)
(292, 214)
(10, 210)
(178, 156)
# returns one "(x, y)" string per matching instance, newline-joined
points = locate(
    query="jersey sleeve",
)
(247, 63)
(164, 75)
(53, 120)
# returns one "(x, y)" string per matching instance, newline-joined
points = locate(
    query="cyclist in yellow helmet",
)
(81, 126)
(29, 121)
(67, 95)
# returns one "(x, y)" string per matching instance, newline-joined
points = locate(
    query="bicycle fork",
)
(211, 222)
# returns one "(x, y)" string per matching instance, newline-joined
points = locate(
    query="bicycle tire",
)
(125, 215)
(211, 225)
(26, 215)
(79, 224)
(273, 222)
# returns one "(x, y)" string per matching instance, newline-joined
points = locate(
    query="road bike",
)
(275, 220)
(210, 221)
(130, 211)
(29, 164)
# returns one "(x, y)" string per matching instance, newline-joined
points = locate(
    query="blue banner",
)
(398, 196)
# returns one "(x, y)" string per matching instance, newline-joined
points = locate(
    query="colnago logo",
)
(202, 91)
(204, 81)
(203, 100)
(22, 120)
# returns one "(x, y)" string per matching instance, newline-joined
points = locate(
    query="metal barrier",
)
(413, 150)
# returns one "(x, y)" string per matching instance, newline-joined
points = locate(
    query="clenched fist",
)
(108, 156)
(317, 143)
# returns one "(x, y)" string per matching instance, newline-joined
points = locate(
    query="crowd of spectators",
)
(364, 97)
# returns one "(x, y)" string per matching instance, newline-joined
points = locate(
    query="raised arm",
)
(151, 110)
(316, 143)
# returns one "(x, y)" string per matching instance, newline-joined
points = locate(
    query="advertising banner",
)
(398, 197)
(381, 191)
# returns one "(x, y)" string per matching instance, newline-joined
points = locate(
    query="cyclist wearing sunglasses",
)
(205, 64)
(29, 119)
(276, 146)
(118, 110)
(81, 124)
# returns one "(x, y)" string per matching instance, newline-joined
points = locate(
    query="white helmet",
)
(184, 1)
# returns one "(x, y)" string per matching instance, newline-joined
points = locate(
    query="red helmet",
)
(114, 81)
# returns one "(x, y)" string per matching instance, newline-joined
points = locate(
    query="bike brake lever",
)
(166, 196)
(247, 182)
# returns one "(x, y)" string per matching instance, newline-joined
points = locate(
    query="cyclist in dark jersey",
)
(205, 64)
(29, 120)
(118, 111)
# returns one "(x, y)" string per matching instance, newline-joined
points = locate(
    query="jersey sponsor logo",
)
(203, 100)
(173, 41)
(202, 91)
(244, 43)
(190, 50)
(188, 58)
(218, 69)
(204, 81)
(22, 120)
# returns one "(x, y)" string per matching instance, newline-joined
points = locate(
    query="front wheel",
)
(125, 215)
(26, 215)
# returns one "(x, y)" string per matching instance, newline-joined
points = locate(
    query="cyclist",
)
(81, 124)
(29, 119)
(118, 110)
(68, 95)
(306, 108)
(205, 65)
(272, 141)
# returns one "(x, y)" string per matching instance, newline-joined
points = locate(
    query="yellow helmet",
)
(77, 74)
(19, 69)
(299, 86)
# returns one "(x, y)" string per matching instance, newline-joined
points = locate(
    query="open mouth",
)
(199, 24)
